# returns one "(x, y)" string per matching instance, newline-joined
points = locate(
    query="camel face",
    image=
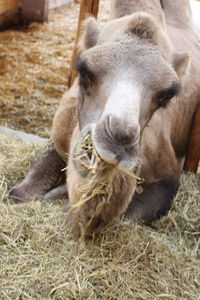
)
(129, 73)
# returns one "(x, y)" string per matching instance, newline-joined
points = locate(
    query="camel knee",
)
(154, 201)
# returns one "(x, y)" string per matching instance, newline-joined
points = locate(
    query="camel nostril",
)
(121, 132)
(126, 139)
(116, 139)
(129, 136)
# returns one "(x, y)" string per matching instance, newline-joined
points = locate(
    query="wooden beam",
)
(9, 19)
(8, 5)
(193, 154)
(87, 7)
(34, 10)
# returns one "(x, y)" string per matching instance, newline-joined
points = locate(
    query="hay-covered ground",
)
(39, 259)
(34, 65)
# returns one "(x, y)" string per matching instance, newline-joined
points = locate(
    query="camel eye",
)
(165, 96)
(86, 76)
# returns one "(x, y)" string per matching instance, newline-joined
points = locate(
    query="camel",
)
(136, 94)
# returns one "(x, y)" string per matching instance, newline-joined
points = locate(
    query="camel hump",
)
(177, 12)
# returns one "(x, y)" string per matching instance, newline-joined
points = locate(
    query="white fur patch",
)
(124, 101)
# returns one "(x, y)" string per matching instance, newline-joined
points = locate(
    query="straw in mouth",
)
(98, 172)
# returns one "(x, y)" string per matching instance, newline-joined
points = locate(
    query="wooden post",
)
(34, 10)
(193, 154)
(9, 13)
(87, 7)
(6, 6)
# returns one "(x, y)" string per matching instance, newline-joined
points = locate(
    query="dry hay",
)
(34, 65)
(97, 198)
(41, 260)
(97, 173)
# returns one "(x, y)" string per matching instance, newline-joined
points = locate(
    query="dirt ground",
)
(34, 66)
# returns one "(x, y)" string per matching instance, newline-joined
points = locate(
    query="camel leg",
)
(46, 177)
(153, 202)
(46, 173)
(56, 193)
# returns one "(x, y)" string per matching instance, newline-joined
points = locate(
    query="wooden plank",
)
(8, 5)
(34, 10)
(10, 19)
(58, 3)
(95, 8)
(193, 154)
(87, 7)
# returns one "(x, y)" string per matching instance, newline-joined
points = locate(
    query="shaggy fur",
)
(151, 53)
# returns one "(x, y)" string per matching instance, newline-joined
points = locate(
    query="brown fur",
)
(126, 7)
(95, 215)
(177, 13)
(154, 49)
(45, 174)
(64, 122)
(159, 152)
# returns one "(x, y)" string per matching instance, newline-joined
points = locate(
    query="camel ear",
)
(181, 64)
(91, 31)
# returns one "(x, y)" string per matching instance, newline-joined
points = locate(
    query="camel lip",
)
(117, 156)
(108, 157)
(122, 160)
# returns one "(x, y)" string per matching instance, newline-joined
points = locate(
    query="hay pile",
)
(41, 260)
(34, 65)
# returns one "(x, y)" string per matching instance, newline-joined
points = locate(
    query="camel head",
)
(127, 70)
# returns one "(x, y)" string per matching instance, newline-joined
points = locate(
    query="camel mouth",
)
(86, 158)
(88, 152)
(82, 155)
(122, 159)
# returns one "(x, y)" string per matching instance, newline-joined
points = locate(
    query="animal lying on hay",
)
(129, 113)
